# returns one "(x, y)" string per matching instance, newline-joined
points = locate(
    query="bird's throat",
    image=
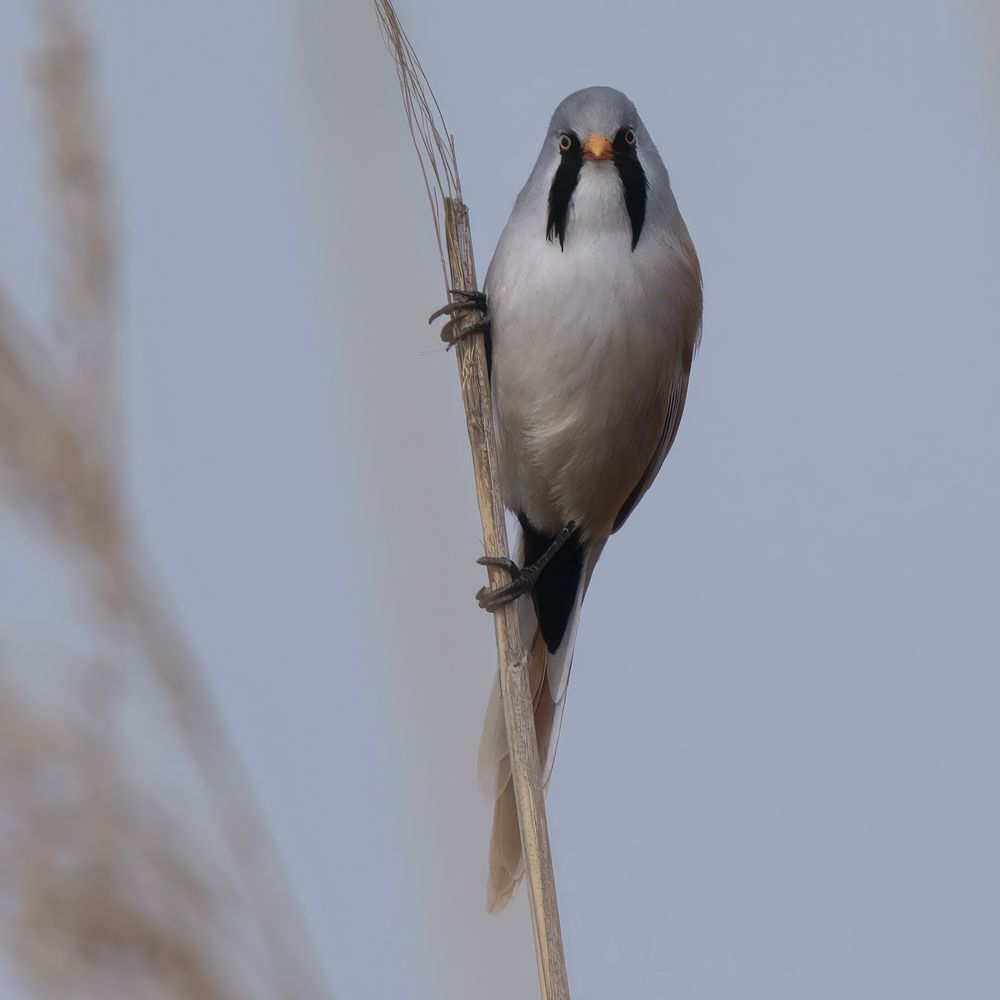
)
(608, 194)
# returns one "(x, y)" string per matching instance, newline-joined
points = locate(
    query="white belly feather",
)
(585, 348)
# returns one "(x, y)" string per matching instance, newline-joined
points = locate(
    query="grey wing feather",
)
(675, 410)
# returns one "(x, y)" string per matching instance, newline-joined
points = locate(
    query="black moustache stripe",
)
(633, 180)
(561, 192)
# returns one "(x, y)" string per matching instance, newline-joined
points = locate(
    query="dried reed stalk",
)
(438, 163)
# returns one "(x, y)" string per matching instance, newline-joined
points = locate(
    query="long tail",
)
(548, 676)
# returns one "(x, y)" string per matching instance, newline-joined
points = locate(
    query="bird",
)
(592, 313)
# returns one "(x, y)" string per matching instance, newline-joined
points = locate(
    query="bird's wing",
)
(675, 410)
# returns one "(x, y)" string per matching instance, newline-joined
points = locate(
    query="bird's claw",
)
(522, 582)
(503, 562)
(456, 329)
(490, 600)
(452, 333)
(463, 300)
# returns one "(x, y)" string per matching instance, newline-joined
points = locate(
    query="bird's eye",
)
(630, 136)
(565, 142)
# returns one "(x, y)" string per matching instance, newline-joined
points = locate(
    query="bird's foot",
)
(466, 304)
(521, 583)
(522, 579)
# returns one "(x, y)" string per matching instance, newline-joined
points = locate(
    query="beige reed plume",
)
(439, 166)
(113, 885)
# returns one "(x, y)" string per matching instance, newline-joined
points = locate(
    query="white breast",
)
(585, 347)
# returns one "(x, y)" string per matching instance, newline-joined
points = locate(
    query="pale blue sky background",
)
(779, 768)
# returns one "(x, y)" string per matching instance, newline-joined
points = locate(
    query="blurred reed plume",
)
(129, 870)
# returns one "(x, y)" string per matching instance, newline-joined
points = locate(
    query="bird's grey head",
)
(597, 129)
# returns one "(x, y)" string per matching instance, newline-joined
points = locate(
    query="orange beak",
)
(597, 147)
